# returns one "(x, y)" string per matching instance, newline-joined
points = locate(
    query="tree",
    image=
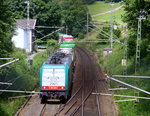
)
(47, 13)
(133, 9)
(6, 28)
(74, 15)
(116, 33)
(88, 1)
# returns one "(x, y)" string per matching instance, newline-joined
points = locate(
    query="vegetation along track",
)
(82, 102)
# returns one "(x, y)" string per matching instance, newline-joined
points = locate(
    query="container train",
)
(56, 73)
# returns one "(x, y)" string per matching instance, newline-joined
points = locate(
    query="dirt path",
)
(114, 10)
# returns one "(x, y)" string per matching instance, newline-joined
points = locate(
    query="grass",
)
(100, 7)
(129, 108)
(117, 16)
(112, 65)
(28, 81)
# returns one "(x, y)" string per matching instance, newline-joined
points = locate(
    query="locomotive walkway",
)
(88, 78)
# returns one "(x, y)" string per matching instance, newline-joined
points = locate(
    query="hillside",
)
(112, 63)
(103, 9)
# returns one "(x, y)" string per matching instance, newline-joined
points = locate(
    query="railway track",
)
(84, 85)
(82, 102)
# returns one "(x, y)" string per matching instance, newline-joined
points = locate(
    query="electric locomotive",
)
(57, 72)
(56, 77)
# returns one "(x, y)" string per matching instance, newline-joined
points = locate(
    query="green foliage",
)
(6, 28)
(116, 33)
(52, 43)
(74, 15)
(23, 77)
(112, 63)
(111, 0)
(70, 13)
(88, 1)
(47, 13)
(133, 9)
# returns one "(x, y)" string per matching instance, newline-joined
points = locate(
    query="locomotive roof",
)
(68, 42)
(60, 58)
(67, 45)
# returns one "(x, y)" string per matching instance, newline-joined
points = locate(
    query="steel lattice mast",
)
(137, 61)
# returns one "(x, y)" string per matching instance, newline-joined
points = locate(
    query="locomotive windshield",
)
(53, 77)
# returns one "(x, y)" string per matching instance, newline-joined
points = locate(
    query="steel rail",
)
(97, 101)
(67, 101)
(43, 110)
(83, 81)
(97, 97)
(70, 107)
(82, 102)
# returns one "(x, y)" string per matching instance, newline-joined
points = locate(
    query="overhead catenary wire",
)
(100, 29)
(107, 35)
(22, 96)
(48, 34)
(8, 63)
(99, 32)
(114, 95)
(47, 27)
(131, 86)
(125, 100)
(5, 83)
(7, 58)
(14, 80)
(126, 76)
(17, 91)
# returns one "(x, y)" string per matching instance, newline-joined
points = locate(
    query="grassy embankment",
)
(112, 65)
(23, 77)
(101, 7)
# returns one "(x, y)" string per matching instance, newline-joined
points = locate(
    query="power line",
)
(48, 27)
(7, 58)
(105, 94)
(4, 83)
(131, 86)
(126, 76)
(17, 91)
(15, 60)
(48, 35)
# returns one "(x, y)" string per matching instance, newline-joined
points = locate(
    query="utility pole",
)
(126, 53)
(28, 11)
(66, 29)
(87, 29)
(111, 27)
(29, 45)
(137, 61)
